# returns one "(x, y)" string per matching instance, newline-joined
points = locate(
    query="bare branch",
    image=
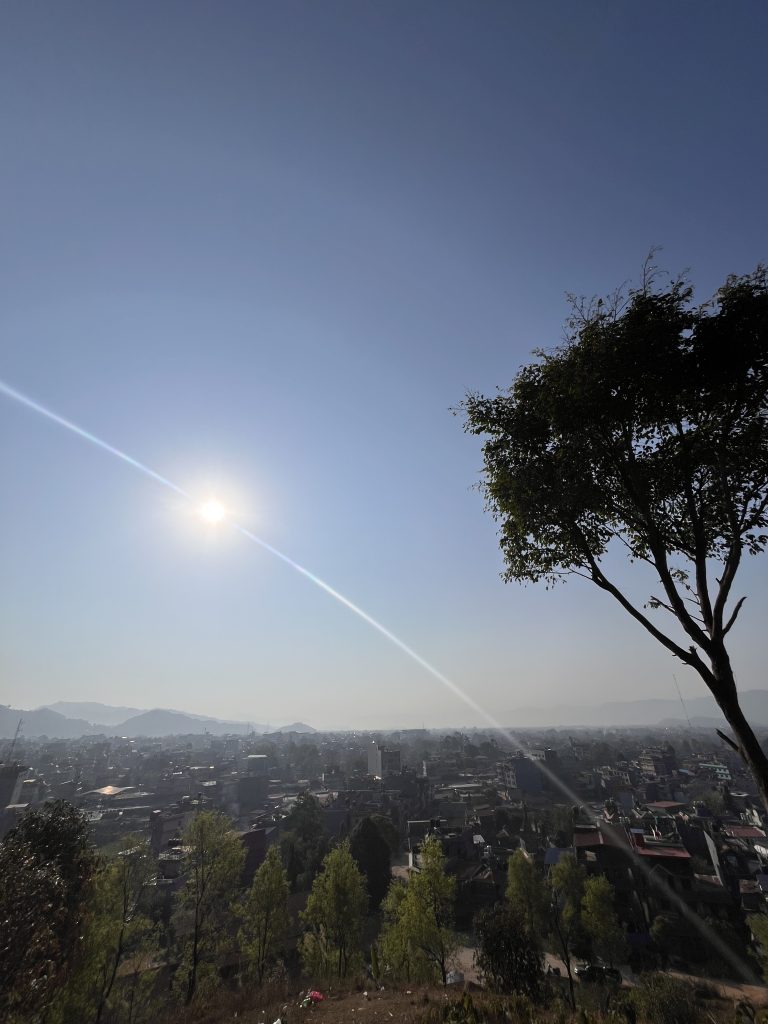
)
(734, 614)
(689, 657)
(729, 741)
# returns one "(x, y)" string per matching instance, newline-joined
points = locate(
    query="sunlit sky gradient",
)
(264, 248)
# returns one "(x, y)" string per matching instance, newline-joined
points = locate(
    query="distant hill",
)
(107, 720)
(93, 711)
(43, 722)
(636, 713)
(125, 719)
(296, 727)
(178, 723)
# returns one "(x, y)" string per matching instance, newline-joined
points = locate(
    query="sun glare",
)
(212, 512)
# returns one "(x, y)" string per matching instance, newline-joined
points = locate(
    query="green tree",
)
(565, 884)
(527, 895)
(305, 819)
(371, 852)
(394, 946)
(115, 930)
(758, 925)
(46, 868)
(508, 956)
(647, 429)
(388, 832)
(667, 932)
(213, 865)
(334, 916)
(600, 921)
(421, 916)
(263, 913)
(303, 843)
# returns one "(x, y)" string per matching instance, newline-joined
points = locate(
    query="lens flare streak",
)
(572, 797)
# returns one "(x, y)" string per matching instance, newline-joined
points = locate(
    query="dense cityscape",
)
(669, 819)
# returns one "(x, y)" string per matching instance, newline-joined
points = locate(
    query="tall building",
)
(383, 760)
(11, 776)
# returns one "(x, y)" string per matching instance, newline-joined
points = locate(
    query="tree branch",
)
(699, 539)
(656, 544)
(734, 614)
(729, 741)
(689, 657)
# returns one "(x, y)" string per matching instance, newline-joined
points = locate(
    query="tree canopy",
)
(601, 922)
(418, 939)
(213, 865)
(648, 429)
(263, 912)
(334, 915)
(372, 854)
(508, 955)
(46, 865)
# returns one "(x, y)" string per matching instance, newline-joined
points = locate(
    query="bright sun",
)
(212, 512)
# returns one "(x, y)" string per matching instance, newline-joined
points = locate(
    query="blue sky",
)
(264, 248)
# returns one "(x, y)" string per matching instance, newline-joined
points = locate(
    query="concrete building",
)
(383, 761)
(522, 773)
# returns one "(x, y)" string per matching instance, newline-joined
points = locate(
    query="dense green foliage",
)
(117, 930)
(303, 843)
(334, 916)
(418, 940)
(527, 895)
(661, 999)
(372, 855)
(46, 869)
(263, 913)
(508, 955)
(214, 863)
(600, 921)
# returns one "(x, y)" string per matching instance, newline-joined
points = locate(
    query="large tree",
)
(508, 956)
(527, 895)
(601, 922)
(117, 930)
(213, 865)
(648, 428)
(263, 912)
(303, 843)
(372, 854)
(334, 916)
(565, 891)
(46, 867)
(419, 939)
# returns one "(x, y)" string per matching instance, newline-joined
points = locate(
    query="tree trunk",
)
(192, 983)
(747, 743)
(107, 990)
(722, 685)
(571, 989)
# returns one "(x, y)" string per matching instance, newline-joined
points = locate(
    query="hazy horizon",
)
(264, 250)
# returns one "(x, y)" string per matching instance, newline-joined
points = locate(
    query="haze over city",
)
(264, 250)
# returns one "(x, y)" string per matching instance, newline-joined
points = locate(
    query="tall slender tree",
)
(213, 866)
(263, 913)
(371, 852)
(646, 431)
(46, 868)
(601, 922)
(421, 931)
(334, 916)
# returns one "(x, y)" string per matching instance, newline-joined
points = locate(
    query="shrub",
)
(661, 999)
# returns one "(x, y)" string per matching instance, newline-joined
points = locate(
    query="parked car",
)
(598, 974)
